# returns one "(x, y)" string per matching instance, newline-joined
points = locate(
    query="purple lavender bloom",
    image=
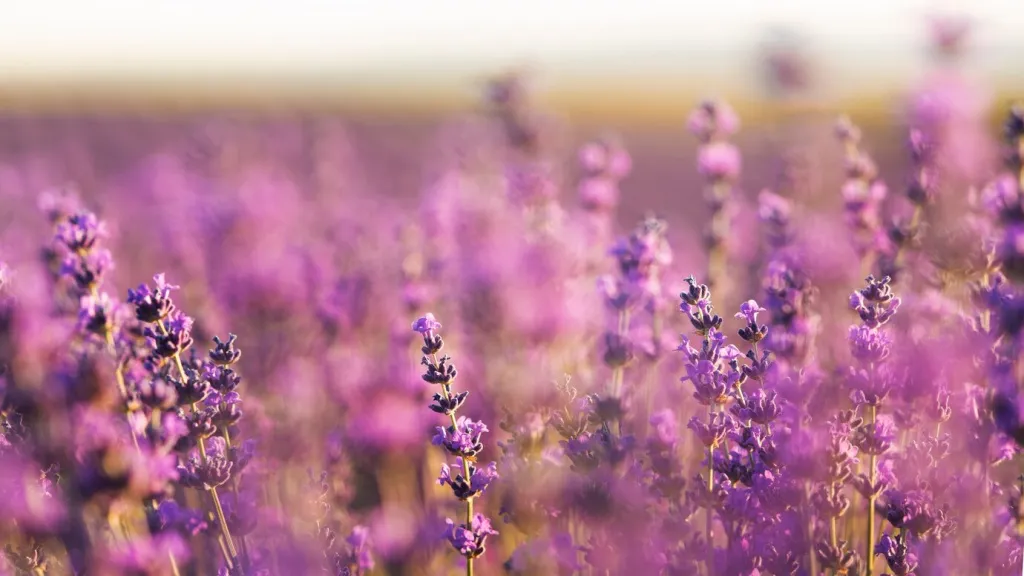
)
(157, 393)
(713, 119)
(80, 231)
(877, 438)
(96, 314)
(711, 385)
(869, 345)
(749, 311)
(479, 478)
(470, 539)
(87, 269)
(696, 304)
(152, 305)
(224, 409)
(711, 435)
(169, 515)
(899, 558)
(462, 439)
(178, 336)
(225, 353)
(426, 325)
(214, 472)
(761, 407)
(719, 161)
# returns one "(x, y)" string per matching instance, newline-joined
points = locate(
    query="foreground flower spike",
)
(462, 439)
(713, 371)
(170, 332)
(871, 346)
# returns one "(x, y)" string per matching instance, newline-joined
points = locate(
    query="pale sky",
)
(43, 38)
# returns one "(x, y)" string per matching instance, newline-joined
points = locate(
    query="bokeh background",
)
(90, 92)
(271, 156)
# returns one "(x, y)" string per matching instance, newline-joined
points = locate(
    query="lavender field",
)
(501, 342)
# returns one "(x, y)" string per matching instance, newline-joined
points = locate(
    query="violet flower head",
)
(869, 345)
(80, 232)
(97, 314)
(640, 258)
(152, 305)
(719, 161)
(87, 269)
(175, 337)
(462, 438)
(712, 384)
(225, 353)
(712, 120)
(426, 324)
(711, 434)
(749, 311)
(696, 304)
(876, 303)
(761, 407)
(428, 327)
(752, 332)
(876, 438)
(470, 540)
(897, 555)
(480, 477)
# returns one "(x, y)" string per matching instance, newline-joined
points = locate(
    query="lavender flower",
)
(461, 439)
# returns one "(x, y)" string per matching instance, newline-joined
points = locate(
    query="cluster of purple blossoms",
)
(192, 405)
(745, 490)
(462, 439)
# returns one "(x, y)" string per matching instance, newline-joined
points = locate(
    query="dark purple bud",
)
(225, 353)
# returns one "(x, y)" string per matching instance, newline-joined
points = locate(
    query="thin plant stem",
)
(446, 391)
(709, 518)
(872, 464)
(833, 531)
(108, 337)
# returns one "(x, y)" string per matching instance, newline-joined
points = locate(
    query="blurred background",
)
(598, 57)
(309, 172)
(89, 90)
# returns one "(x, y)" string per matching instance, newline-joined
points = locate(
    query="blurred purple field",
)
(501, 342)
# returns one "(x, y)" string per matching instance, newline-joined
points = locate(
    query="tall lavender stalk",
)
(871, 346)
(713, 380)
(461, 439)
